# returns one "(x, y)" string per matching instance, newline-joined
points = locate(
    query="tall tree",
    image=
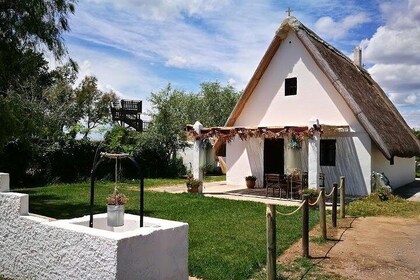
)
(93, 105)
(27, 29)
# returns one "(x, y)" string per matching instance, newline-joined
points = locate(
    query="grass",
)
(227, 239)
(148, 183)
(373, 206)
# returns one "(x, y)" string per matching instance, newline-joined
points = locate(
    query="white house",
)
(300, 80)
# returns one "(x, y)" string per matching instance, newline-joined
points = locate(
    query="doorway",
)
(273, 156)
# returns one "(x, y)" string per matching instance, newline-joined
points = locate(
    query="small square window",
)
(327, 152)
(290, 86)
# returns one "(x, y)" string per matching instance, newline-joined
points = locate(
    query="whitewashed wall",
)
(38, 248)
(187, 156)
(316, 99)
(402, 172)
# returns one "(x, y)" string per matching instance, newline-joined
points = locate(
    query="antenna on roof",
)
(289, 11)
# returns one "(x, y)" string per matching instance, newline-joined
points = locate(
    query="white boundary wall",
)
(38, 248)
(402, 172)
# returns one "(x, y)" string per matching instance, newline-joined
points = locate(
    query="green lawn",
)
(373, 206)
(226, 238)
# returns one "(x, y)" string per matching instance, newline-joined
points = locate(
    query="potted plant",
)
(312, 193)
(193, 185)
(115, 208)
(250, 181)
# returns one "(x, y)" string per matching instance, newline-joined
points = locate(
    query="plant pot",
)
(193, 189)
(250, 184)
(115, 215)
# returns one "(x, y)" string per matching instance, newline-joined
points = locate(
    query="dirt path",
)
(363, 248)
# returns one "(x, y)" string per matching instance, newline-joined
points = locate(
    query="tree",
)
(93, 105)
(217, 102)
(173, 109)
(27, 28)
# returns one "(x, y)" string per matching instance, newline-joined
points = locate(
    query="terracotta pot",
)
(193, 189)
(250, 184)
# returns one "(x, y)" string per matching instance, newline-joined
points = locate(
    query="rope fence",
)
(295, 211)
(331, 193)
(304, 207)
(317, 200)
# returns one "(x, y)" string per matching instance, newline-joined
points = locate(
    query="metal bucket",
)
(115, 215)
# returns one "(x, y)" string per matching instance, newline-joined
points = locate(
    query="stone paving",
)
(223, 190)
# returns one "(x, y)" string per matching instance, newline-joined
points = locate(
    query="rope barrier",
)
(339, 187)
(330, 192)
(317, 200)
(289, 214)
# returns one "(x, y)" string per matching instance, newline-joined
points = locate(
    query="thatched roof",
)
(363, 95)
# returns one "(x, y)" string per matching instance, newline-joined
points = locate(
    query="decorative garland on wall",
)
(298, 134)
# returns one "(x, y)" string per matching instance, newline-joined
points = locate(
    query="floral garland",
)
(297, 134)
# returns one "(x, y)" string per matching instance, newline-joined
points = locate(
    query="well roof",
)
(363, 95)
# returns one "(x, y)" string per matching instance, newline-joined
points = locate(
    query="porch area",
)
(234, 192)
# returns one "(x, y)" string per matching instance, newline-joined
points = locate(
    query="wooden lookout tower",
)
(128, 112)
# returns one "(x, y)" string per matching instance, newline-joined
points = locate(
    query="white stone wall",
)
(36, 248)
(402, 172)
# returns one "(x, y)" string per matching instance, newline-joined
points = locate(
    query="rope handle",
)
(317, 200)
(289, 214)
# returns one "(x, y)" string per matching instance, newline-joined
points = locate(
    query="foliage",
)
(373, 206)
(227, 239)
(93, 104)
(191, 182)
(250, 178)
(116, 198)
(310, 192)
(27, 29)
(383, 193)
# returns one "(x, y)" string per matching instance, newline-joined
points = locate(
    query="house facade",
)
(302, 80)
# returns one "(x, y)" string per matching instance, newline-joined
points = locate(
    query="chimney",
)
(357, 58)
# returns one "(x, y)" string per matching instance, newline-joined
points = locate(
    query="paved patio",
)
(223, 190)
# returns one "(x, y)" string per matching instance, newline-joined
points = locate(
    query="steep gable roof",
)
(364, 96)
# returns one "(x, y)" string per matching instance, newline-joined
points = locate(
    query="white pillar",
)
(4, 182)
(198, 154)
(313, 157)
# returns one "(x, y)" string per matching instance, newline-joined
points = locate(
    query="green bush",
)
(383, 193)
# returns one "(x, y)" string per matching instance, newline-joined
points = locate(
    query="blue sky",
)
(135, 47)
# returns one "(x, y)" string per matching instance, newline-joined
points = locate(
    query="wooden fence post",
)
(342, 197)
(334, 205)
(305, 226)
(322, 214)
(271, 241)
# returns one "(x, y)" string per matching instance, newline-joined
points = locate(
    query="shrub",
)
(384, 193)
(250, 178)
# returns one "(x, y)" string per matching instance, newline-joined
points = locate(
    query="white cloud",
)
(327, 27)
(177, 61)
(394, 52)
(163, 9)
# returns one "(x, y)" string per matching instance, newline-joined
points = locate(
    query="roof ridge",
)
(296, 24)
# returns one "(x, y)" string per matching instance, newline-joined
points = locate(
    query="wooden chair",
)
(276, 181)
(296, 185)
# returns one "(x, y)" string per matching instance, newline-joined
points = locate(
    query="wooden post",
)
(271, 241)
(322, 214)
(334, 206)
(342, 197)
(305, 226)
